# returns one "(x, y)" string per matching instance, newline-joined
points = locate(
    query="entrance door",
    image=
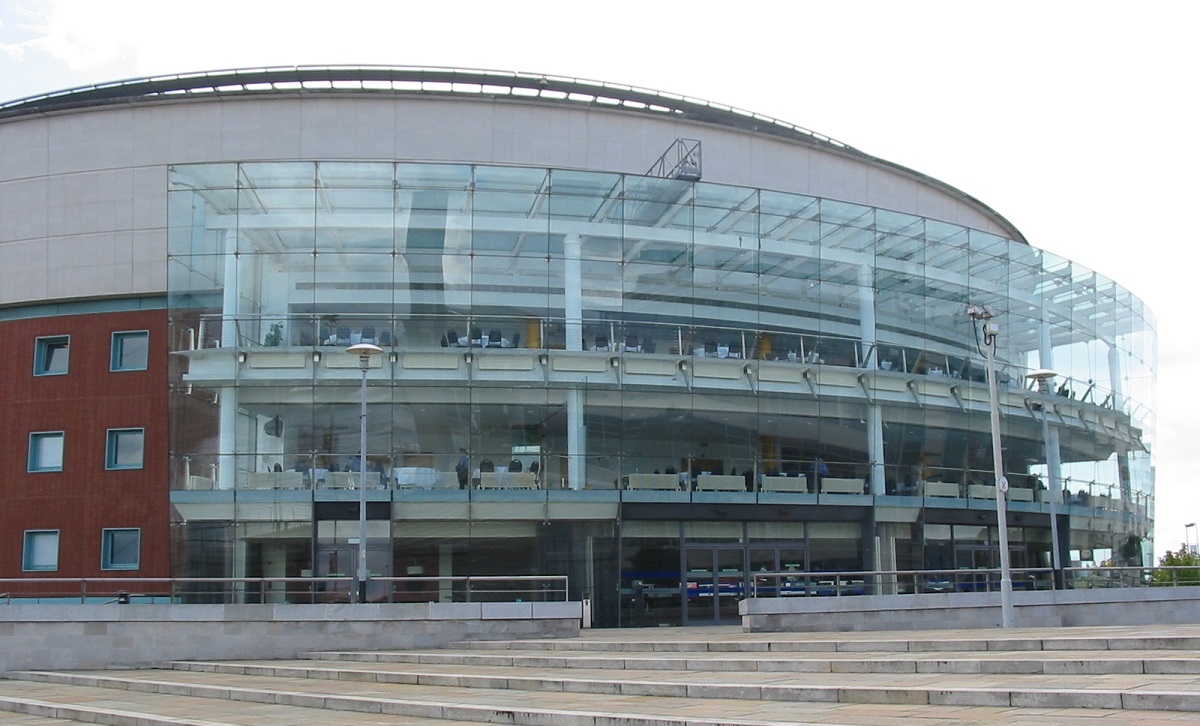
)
(714, 583)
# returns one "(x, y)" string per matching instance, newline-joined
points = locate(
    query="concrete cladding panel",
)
(88, 182)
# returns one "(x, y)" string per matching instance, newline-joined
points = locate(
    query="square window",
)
(125, 448)
(46, 451)
(121, 549)
(130, 350)
(52, 356)
(41, 550)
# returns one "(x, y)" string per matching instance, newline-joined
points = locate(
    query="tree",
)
(1183, 558)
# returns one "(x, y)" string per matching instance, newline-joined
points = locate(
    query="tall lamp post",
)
(1043, 376)
(1187, 540)
(991, 330)
(364, 351)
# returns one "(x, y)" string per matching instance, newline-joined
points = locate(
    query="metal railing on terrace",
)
(273, 590)
(899, 582)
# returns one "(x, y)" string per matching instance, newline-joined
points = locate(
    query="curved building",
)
(648, 342)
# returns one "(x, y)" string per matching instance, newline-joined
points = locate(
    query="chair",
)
(343, 336)
(710, 349)
(515, 465)
(648, 345)
(452, 338)
(631, 344)
(516, 341)
(601, 342)
(535, 467)
(735, 349)
(487, 465)
(476, 338)
(368, 334)
(495, 338)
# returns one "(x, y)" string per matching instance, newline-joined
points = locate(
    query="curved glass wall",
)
(655, 338)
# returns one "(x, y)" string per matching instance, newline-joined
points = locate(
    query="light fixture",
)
(241, 356)
(683, 365)
(364, 351)
(615, 362)
(468, 358)
(316, 356)
(983, 315)
(543, 359)
(1042, 376)
(393, 357)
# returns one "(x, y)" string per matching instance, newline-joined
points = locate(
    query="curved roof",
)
(420, 81)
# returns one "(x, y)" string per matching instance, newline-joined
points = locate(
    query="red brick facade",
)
(84, 498)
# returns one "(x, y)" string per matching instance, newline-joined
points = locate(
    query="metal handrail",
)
(257, 589)
(841, 583)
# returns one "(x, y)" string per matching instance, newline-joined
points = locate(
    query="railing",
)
(272, 590)
(899, 582)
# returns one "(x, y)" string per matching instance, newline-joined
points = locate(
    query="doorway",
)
(717, 577)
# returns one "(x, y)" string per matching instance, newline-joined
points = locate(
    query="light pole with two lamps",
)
(984, 315)
(1043, 376)
(364, 351)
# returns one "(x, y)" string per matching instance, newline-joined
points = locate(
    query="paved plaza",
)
(662, 676)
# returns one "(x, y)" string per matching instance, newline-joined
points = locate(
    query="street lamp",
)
(1043, 376)
(364, 351)
(1187, 538)
(990, 332)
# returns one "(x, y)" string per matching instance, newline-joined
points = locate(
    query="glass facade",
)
(569, 353)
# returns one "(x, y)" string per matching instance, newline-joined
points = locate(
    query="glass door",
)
(714, 584)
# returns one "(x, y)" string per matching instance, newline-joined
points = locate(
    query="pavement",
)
(660, 677)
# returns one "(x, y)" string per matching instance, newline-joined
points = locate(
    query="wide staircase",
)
(695, 676)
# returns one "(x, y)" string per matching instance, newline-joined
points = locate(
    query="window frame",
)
(42, 436)
(111, 450)
(41, 346)
(30, 535)
(118, 338)
(106, 549)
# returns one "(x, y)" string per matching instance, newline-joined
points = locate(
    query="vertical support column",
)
(573, 309)
(1118, 401)
(445, 569)
(227, 431)
(573, 291)
(869, 354)
(576, 440)
(1053, 453)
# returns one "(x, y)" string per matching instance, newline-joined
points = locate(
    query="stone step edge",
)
(92, 714)
(949, 663)
(1088, 643)
(1114, 699)
(358, 704)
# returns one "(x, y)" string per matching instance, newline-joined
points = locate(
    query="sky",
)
(1077, 121)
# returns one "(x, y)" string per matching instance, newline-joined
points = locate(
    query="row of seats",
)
(477, 339)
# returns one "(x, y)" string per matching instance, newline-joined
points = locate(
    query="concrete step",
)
(366, 688)
(1040, 639)
(43, 703)
(1048, 662)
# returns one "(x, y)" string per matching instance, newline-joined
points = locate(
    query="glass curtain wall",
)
(563, 331)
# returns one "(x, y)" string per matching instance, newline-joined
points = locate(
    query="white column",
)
(445, 569)
(227, 432)
(1118, 402)
(573, 291)
(573, 308)
(866, 317)
(1053, 453)
(576, 441)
